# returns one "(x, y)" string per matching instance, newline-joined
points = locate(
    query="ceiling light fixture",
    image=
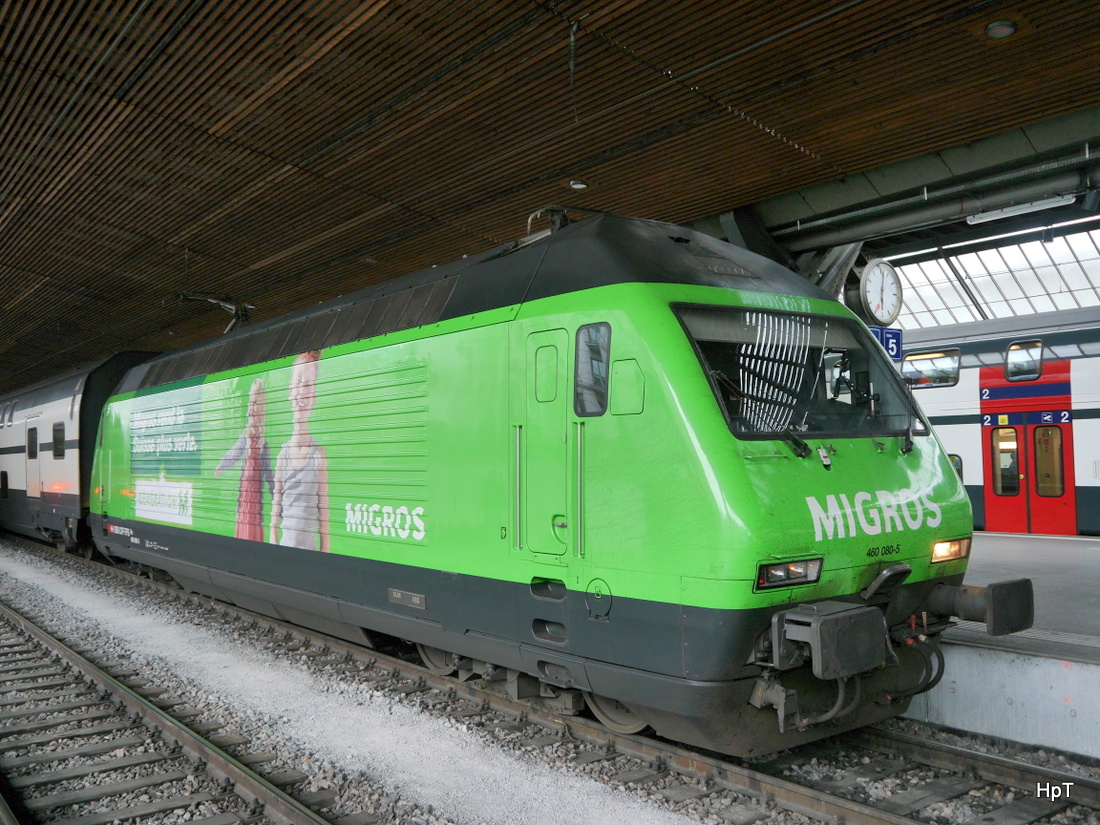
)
(577, 184)
(1022, 209)
(1000, 28)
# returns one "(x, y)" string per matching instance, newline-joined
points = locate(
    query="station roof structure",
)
(280, 152)
(1054, 270)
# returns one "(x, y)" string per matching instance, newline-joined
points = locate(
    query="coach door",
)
(34, 473)
(1029, 479)
(544, 489)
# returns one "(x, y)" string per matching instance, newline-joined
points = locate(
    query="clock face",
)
(880, 292)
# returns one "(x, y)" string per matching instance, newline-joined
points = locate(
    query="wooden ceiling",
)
(281, 152)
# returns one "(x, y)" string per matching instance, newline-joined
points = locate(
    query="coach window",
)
(32, 442)
(1049, 473)
(59, 439)
(3, 483)
(1006, 465)
(590, 376)
(1024, 361)
(932, 369)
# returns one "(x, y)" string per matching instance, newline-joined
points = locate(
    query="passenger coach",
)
(1016, 402)
(47, 438)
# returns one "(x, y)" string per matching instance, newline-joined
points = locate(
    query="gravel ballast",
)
(341, 732)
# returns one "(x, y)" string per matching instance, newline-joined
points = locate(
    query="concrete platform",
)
(1065, 570)
(1042, 686)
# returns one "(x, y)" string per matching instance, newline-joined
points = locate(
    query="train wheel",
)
(614, 714)
(438, 662)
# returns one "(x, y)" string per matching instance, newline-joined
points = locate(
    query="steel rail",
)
(246, 783)
(998, 769)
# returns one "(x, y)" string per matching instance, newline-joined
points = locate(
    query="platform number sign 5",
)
(890, 338)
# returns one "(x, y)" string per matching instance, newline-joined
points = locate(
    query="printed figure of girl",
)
(251, 448)
(299, 505)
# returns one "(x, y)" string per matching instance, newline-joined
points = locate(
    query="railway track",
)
(78, 746)
(677, 774)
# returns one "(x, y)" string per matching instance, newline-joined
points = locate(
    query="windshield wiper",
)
(796, 442)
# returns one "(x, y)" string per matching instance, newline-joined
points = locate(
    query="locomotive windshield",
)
(788, 374)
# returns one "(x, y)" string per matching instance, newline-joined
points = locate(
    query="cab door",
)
(545, 467)
(34, 472)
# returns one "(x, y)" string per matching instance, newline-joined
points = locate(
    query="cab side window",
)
(592, 369)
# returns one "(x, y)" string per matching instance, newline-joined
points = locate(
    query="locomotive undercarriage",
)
(802, 681)
(851, 645)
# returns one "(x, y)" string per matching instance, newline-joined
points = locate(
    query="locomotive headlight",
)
(788, 573)
(950, 550)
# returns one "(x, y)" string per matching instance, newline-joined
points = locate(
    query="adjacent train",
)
(620, 465)
(1016, 403)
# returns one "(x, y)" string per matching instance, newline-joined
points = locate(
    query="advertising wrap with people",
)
(249, 456)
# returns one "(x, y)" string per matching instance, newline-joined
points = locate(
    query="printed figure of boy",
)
(299, 505)
(251, 448)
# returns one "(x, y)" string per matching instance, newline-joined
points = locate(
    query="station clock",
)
(876, 297)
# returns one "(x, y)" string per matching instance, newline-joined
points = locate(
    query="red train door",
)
(1027, 452)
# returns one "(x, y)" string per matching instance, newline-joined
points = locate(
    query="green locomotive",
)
(621, 464)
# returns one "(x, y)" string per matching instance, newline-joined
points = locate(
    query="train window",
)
(1006, 461)
(1024, 361)
(1050, 478)
(59, 439)
(932, 369)
(956, 462)
(3, 483)
(32, 442)
(590, 375)
(782, 374)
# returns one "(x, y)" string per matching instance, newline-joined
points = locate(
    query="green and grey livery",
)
(621, 464)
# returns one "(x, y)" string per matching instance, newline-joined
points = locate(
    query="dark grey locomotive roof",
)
(598, 251)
